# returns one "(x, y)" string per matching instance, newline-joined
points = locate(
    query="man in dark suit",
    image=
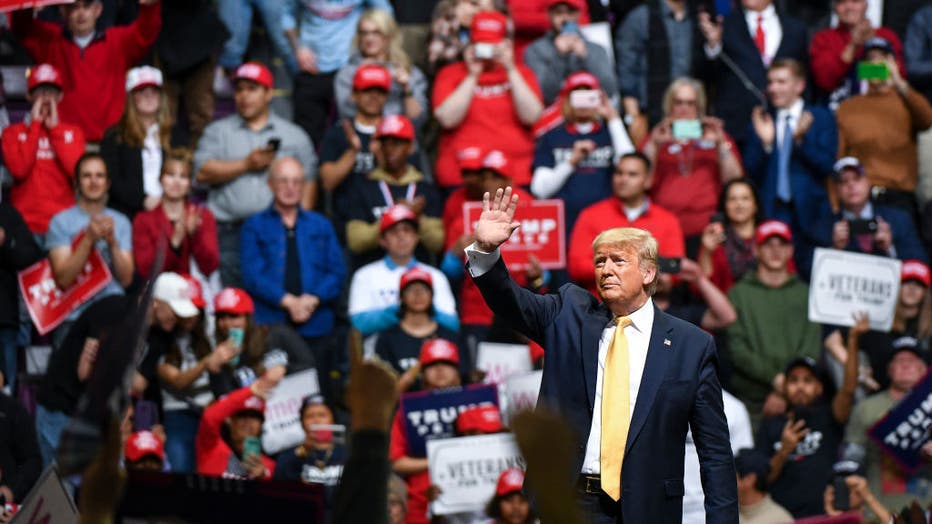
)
(789, 152)
(641, 384)
(864, 226)
(748, 40)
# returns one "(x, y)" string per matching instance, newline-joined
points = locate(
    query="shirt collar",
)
(269, 124)
(643, 316)
(633, 214)
(795, 111)
(573, 128)
(867, 212)
(392, 265)
(751, 16)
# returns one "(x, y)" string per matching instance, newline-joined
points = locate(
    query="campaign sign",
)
(844, 283)
(47, 502)
(15, 5)
(500, 361)
(282, 427)
(50, 305)
(519, 393)
(467, 468)
(902, 432)
(541, 233)
(432, 414)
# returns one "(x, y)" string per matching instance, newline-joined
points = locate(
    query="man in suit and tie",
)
(628, 379)
(750, 39)
(789, 152)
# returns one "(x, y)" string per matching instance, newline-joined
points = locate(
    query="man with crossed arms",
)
(646, 376)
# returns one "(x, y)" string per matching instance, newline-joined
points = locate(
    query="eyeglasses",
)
(684, 101)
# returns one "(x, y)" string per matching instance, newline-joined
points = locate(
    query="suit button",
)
(581, 447)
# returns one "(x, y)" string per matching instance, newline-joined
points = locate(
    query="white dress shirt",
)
(638, 335)
(773, 31)
(794, 112)
(152, 162)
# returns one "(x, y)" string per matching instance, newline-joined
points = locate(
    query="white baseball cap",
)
(175, 291)
(143, 76)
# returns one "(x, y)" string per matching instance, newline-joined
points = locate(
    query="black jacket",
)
(20, 461)
(18, 250)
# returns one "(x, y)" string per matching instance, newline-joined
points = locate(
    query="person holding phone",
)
(235, 452)
(574, 161)
(692, 157)
(863, 224)
(727, 250)
(564, 51)
(880, 128)
(484, 97)
(186, 230)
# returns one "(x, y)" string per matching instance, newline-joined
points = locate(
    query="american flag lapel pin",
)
(666, 342)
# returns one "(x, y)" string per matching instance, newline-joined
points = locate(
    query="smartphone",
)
(570, 27)
(484, 50)
(873, 71)
(274, 144)
(860, 226)
(236, 335)
(252, 446)
(687, 129)
(717, 218)
(668, 265)
(147, 415)
(842, 497)
(585, 99)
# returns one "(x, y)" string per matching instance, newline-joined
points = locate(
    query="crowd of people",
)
(741, 134)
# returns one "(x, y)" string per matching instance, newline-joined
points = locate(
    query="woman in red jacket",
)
(186, 230)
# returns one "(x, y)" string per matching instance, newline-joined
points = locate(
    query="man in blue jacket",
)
(293, 266)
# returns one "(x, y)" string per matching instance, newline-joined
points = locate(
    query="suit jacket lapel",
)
(591, 334)
(784, 41)
(655, 368)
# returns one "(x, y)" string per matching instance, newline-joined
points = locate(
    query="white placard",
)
(47, 502)
(500, 361)
(467, 469)
(519, 393)
(282, 427)
(844, 283)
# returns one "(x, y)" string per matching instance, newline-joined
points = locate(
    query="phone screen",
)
(687, 129)
(252, 446)
(873, 71)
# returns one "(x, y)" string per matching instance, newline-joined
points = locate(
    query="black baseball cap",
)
(808, 363)
(749, 460)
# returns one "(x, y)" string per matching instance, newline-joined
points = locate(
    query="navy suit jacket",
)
(732, 101)
(905, 238)
(679, 389)
(811, 162)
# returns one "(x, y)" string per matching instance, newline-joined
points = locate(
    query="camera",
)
(861, 226)
(484, 50)
(668, 265)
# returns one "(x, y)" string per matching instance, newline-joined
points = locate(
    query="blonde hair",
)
(641, 241)
(182, 155)
(386, 25)
(130, 130)
(684, 81)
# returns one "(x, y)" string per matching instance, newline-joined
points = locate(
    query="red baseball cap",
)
(489, 27)
(395, 214)
(415, 274)
(253, 404)
(255, 72)
(233, 300)
(470, 158)
(42, 74)
(194, 288)
(578, 80)
(511, 480)
(916, 270)
(142, 444)
(575, 4)
(772, 228)
(372, 75)
(439, 350)
(395, 126)
(498, 162)
(143, 76)
(484, 419)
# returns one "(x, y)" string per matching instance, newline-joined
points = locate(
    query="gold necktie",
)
(616, 409)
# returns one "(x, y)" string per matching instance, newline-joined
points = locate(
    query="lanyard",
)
(387, 195)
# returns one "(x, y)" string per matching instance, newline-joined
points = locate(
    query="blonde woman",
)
(133, 148)
(378, 40)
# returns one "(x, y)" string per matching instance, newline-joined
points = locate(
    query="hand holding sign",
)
(497, 221)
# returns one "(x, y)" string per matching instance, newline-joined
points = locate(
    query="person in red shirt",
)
(93, 63)
(243, 411)
(835, 51)
(187, 230)
(41, 153)
(486, 100)
(629, 206)
(531, 20)
(439, 362)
